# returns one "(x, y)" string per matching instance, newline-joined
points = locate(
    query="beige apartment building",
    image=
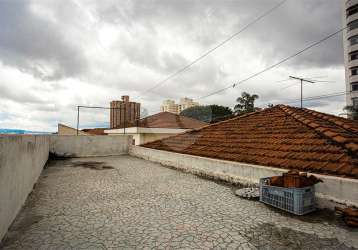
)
(176, 108)
(350, 42)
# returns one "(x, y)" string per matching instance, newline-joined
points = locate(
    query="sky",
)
(55, 55)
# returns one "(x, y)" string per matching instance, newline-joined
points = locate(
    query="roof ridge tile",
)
(341, 140)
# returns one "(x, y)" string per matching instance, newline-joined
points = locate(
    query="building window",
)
(353, 40)
(352, 10)
(354, 86)
(353, 55)
(353, 25)
(354, 71)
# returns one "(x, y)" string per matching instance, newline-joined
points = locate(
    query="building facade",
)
(124, 113)
(350, 43)
(186, 103)
(172, 107)
(169, 106)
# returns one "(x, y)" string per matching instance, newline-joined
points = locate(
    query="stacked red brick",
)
(282, 136)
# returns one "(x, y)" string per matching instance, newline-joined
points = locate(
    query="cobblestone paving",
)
(143, 205)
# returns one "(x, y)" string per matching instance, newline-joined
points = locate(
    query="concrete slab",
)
(125, 202)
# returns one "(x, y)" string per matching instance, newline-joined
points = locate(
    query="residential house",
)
(66, 130)
(158, 126)
(282, 137)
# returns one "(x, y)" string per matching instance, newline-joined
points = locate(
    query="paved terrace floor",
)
(128, 203)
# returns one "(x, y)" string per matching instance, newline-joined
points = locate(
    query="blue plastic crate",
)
(298, 201)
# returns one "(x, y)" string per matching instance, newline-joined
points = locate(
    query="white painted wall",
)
(89, 145)
(22, 159)
(333, 190)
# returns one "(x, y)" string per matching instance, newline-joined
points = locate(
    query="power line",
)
(311, 98)
(276, 64)
(213, 49)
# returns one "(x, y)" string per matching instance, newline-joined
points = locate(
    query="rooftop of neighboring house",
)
(95, 131)
(67, 130)
(165, 120)
(170, 120)
(282, 136)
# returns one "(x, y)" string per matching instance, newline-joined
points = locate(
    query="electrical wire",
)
(212, 49)
(276, 64)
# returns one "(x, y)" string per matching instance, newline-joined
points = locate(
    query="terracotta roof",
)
(170, 120)
(282, 136)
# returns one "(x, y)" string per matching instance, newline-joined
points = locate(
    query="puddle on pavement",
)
(95, 165)
(268, 236)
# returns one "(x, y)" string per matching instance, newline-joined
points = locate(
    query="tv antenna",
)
(302, 80)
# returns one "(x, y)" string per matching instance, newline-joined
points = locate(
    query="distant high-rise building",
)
(186, 103)
(172, 107)
(350, 43)
(169, 106)
(124, 113)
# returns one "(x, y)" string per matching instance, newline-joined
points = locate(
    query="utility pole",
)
(125, 116)
(301, 80)
(78, 118)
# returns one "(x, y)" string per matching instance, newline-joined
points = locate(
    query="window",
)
(353, 25)
(353, 55)
(353, 40)
(354, 71)
(354, 86)
(352, 10)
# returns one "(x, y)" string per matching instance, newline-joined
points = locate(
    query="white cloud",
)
(57, 56)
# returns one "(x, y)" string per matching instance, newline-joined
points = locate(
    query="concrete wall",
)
(333, 190)
(93, 145)
(22, 159)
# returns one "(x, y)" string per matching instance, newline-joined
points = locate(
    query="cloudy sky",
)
(55, 55)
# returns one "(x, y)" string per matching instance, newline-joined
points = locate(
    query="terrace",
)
(124, 202)
(100, 192)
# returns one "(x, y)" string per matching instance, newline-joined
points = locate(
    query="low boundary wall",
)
(89, 145)
(22, 159)
(333, 190)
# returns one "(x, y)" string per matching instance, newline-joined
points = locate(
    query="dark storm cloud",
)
(298, 24)
(293, 26)
(36, 45)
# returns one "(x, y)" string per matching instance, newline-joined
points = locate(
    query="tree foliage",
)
(246, 103)
(209, 113)
(352, 112)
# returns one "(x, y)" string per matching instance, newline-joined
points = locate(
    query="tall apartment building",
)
(124, 113)
(172, 107)
(350, 43)
(169, 106)
(187, 103)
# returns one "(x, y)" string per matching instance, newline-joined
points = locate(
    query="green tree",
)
(352, 111)
(246, 103)
(209, 113)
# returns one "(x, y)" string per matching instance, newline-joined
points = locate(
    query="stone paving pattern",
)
(142, 205)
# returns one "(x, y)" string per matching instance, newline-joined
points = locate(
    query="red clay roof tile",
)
(281, 136)
(170, 120)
